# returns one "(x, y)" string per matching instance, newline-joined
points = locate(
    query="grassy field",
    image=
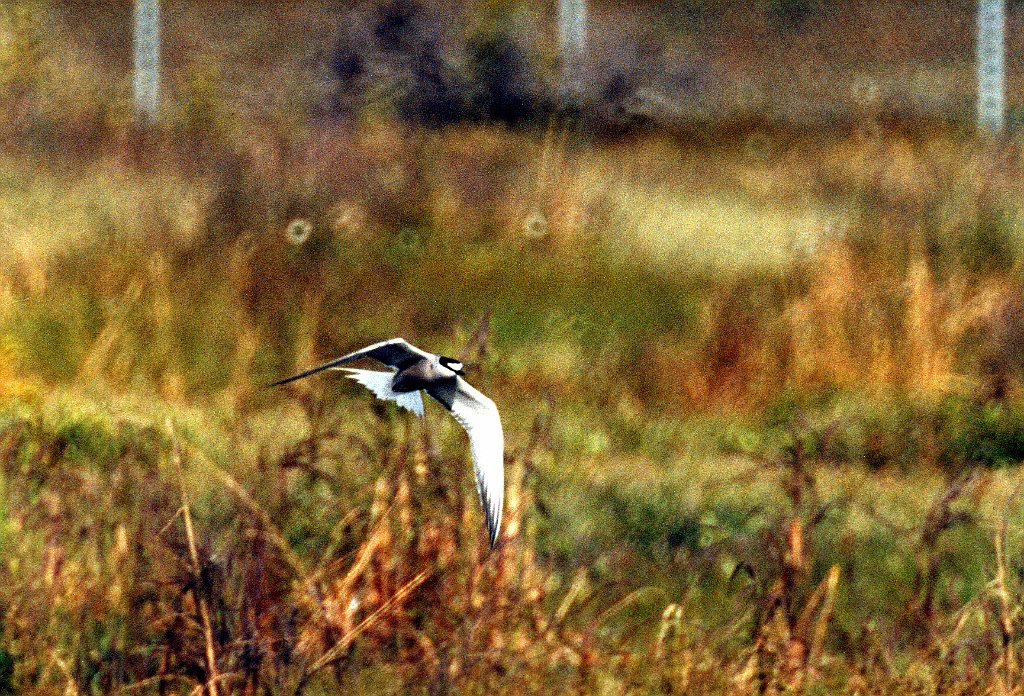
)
(761, 393)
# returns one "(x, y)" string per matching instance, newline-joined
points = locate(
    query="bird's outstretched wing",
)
(396, 352)
(479, 416)
(380, 384)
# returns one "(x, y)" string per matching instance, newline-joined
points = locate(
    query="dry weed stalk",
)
(347, 639)
(793, 616)
(940, 518)
(213, 673)
(306, 334)
(823, 348)
(1005, 606)
(103, 351)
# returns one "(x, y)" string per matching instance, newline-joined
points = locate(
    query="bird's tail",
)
(380, 384)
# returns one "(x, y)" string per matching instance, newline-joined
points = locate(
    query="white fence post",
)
(991, 66)
(572, 39)
(147, 58)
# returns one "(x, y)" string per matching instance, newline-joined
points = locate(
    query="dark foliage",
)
(414, 59)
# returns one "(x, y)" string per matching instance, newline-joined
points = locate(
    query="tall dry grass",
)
(144, 565)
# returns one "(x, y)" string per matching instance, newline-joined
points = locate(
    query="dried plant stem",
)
(941, 517)
(71, 689)
(1006, 610)
(822, 601)
(296, 564)
(159, 680)
(190, 534)
(1009, 611)
(346, 640)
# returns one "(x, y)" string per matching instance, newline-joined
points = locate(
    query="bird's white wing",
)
(479, 416)
(380, 384)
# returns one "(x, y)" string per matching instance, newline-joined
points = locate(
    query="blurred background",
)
(744, 279)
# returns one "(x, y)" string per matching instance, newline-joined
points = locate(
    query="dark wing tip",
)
(286, 380)
(393, 352)
(308, 373)
(493, 518)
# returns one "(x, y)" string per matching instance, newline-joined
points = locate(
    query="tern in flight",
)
(415, 370)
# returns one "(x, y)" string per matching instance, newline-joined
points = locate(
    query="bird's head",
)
(452, 364)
